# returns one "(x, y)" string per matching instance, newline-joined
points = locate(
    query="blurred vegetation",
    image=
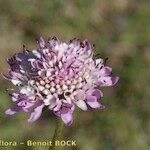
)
(120, 30)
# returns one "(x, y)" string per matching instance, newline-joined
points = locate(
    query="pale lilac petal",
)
(115, 79)
(67, 118)
(27, 107)
(97, 93)
(96, 105)
(91, 98)
(12, 111)
(65, 113)
(105, 71)
(94, 92)
(64, 109)
(81, 104)
(36, 114)
(108, 81)
(93, 103)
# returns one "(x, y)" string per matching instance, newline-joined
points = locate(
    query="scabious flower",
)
(59, 76)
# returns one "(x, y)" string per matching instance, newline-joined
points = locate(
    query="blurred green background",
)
(120, 31)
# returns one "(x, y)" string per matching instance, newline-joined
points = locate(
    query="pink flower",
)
(59, 76)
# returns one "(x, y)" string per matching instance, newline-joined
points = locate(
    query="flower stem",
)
(57, 135)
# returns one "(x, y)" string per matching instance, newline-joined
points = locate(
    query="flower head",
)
(59, 76)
